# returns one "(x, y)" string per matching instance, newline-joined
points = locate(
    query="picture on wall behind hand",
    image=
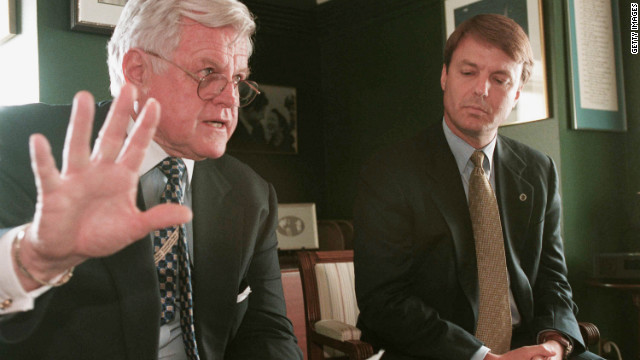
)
(268, 124)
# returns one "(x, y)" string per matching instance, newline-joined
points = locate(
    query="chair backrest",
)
(328, 287)
(330, 235)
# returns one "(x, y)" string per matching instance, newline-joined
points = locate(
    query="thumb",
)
(165, 215)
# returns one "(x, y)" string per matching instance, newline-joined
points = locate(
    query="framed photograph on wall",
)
(269, 124)
(97, 16)
(297, 226)
(533, 103)
(7, 20)
(597, 81)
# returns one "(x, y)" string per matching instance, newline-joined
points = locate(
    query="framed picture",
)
(597, 82)
(97, 16)
(297, 226)
(8, 21)
(269, 124)
(533, 103)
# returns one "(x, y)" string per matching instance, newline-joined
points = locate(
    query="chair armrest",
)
(354, 349)
(590, 333)
(338, 330)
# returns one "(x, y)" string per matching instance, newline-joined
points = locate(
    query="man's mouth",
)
(215, 124)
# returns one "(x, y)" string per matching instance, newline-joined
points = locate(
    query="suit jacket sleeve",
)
(553, 304)
(392, 316)
(265, 331)
(18, 192)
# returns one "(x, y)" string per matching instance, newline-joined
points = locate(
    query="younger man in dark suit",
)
(420, 246)
(207, 290)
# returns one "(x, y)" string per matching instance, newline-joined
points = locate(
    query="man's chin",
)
(214, 152)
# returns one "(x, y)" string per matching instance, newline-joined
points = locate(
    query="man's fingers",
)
(114, 131)
(43, 165)
(76, 146)
(138, 141)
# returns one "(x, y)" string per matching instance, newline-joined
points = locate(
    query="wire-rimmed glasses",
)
(212, 85)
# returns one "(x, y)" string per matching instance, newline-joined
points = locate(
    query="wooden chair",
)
(330, 235)
(330, 305)
(331, 309)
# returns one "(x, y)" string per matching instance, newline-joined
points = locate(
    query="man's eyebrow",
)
(469, 63)
(246, 71)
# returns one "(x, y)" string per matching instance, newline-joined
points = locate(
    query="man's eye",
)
(238, 78)
(501, 81)
(207, 71)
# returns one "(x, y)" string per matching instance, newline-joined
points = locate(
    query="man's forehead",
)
(224, 40)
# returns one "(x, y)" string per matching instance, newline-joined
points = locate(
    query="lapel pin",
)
(523, 197)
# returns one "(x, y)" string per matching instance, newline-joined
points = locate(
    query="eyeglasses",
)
(213, 84)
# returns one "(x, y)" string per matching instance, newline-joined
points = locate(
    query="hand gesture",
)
(88, 209)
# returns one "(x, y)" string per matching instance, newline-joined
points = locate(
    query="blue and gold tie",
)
(176, 260)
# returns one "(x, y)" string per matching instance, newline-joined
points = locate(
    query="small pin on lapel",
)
(523, 197)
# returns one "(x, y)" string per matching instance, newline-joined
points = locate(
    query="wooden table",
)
(632, 288)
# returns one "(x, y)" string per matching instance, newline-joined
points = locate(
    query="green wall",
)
(70, 61)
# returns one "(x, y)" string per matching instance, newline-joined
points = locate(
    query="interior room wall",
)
(70, 61)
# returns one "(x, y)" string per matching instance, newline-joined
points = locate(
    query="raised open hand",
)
(88, 209)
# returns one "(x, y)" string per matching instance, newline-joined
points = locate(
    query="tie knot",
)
(477, 158)
(172, 167)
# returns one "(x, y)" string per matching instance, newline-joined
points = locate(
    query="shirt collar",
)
(462, 151)
(155, 154)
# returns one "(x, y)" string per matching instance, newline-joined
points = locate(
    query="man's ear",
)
(515, 102)
(136, 68)
(443, 77)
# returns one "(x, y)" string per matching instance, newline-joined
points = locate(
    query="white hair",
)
(154, 25)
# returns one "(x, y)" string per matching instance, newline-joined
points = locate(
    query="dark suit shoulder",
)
(401, 154)
(229, 172)
(17, 123)
(535, 160)
(230, 165)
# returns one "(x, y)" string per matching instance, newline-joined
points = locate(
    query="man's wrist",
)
(31, 280)
(559, 338)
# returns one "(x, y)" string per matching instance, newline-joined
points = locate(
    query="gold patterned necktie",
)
(173, 254)
(494, 312)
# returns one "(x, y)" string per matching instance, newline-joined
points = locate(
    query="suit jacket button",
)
(6, 304)
(523, 197)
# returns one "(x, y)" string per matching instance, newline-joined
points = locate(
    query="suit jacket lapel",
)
(134, 278)
(515, 197)
(448, 194)
(217, 246)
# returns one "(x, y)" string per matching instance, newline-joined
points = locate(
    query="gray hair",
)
(154, 25)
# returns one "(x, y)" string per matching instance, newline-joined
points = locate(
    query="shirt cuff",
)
(539, 337)
(481, 353)
(13, 298)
